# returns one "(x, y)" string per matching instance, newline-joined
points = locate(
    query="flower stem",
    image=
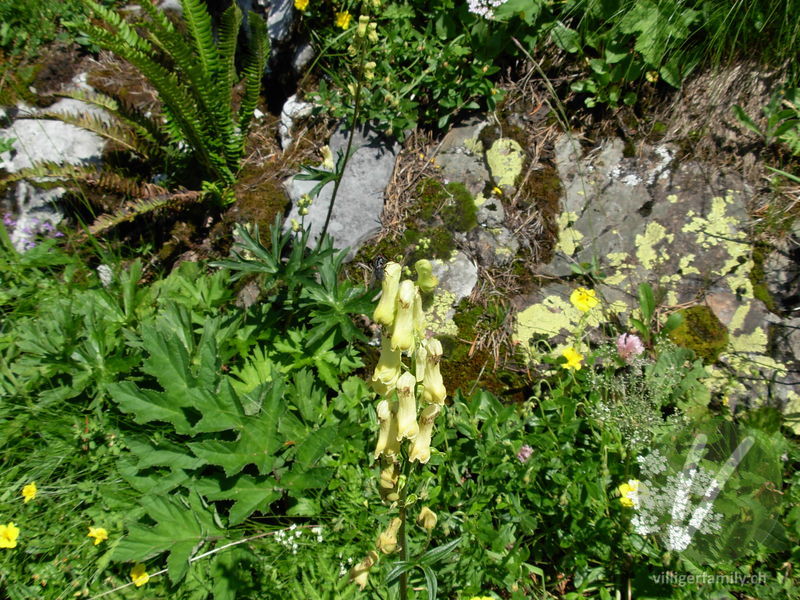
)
(403, 533)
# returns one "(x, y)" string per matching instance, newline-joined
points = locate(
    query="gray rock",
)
(302, 56)
(494, 246)
(457, 276)
(491, 213)
(782, 273)
(359, 202)
(292, 110)
(279, 21)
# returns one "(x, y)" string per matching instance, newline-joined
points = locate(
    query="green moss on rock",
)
(452, 203)
(702, 332)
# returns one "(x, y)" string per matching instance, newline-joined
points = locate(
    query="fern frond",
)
(136, 208)
(112, 131)
(201, 32)
(125, 33)
(49, 172)
(253, 71)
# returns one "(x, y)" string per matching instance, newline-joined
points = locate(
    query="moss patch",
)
(451, 203)
(758, 277)
(702, 332)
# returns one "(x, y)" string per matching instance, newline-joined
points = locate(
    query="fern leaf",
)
(113, 132)
(199, 23)
(136, 208)
(125, 33)
(253, 71)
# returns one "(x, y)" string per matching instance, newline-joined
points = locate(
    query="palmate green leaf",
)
(164, 454)
(249, 493)
(181, 527)
(257, 442)
(311, 449)
(149, 405)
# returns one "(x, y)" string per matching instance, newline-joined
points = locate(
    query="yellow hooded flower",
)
(407, 407)
(360, 573)
(427, 519)
(403, 330)
(387, 541)
(387, 371)
(433, 385)
(420, 449)
(384, 312)
(388, 441)
(584, 300)
(390, 475)
(426, 280)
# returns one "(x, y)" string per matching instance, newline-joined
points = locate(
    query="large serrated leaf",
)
(311, 449)
(249, 493)
(149, 405)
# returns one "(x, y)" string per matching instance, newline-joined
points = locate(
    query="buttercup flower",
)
(427, 518)
(138, 575)
(98, 533)
(573, 357)
(584, 300)
(8, 535)
(384, 312)
(629, 493)
(629, 346)
(301, 5)
(343, 19)
(387, 541)
(29, 492)
(360, 573)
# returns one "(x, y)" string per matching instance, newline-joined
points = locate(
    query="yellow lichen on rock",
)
(654, 234)
(568, 236)
(505, 159)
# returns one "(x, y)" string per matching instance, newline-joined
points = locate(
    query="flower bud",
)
(363, 21)
(420, 361)
(384, 312)
(372, 36)
(387, 486)
(387, 370)
(407, 407)
(360, 572)
(387, 541)
(420, 448)
(426, 280)
(403, 330)
(388, 443)
(427, 519)
(434, 390)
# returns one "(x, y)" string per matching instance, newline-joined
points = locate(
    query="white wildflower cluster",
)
(484, 8)
(288, 538)
(676, 507)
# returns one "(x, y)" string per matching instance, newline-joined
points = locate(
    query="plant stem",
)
(403, 533)
(356, 107)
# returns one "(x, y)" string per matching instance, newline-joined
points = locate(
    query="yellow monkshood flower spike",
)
(584, 300)
(301, 5)
(138, 575)
(384, 312)
(98, 533)
(8, 535)
(29, 492)
(574, 358)
(343, 19)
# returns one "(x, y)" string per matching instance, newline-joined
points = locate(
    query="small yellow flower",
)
(301, 5)
(138, 575)
(584, 300)
(427, 519)
(29, 492)
(8, 535)
(98, 533)
(629, 493)
(651, 76)
(343, 19)
(573, 357)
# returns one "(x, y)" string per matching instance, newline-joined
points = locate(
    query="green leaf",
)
(248, 493)
(430, 582)
(673, 321)
(565, 38)
(149, 405)
(438, 554)
(311, 449)
(647, 302)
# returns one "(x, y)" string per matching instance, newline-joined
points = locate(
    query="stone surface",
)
(782, 273)
(35, 140)
(292, 110)
(491, 212)
(359, 202)
(279, 21)
(457, 276)
(680, 227)
(494, 246)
